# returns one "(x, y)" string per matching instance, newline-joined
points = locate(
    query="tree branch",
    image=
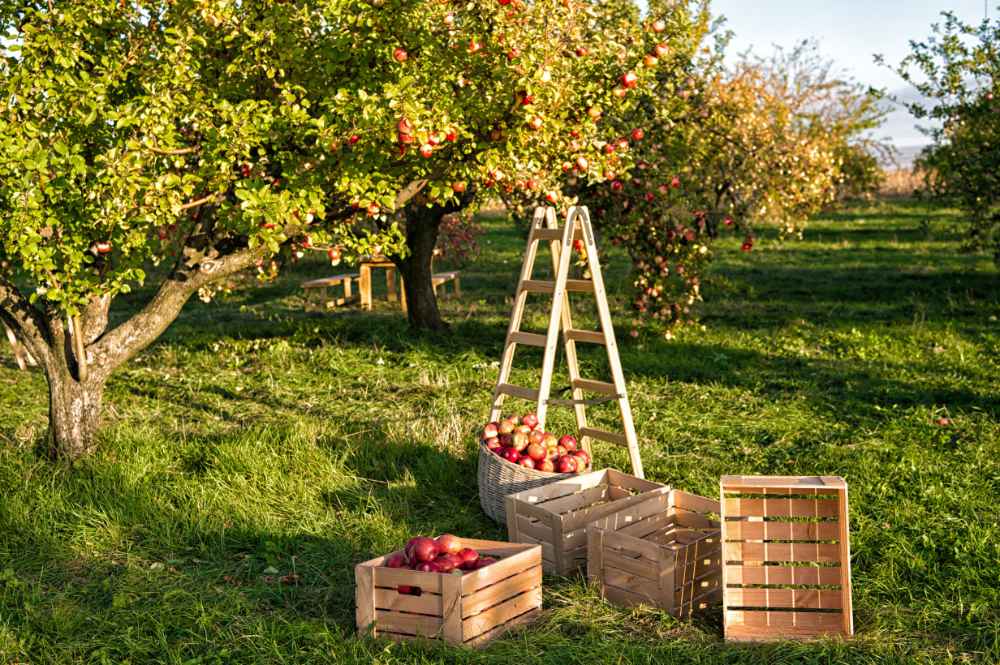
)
(124, 342)
(25, 320)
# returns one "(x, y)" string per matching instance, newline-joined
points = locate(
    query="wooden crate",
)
(461, 608)
(664, 551)
(787, 552)
(556, 515)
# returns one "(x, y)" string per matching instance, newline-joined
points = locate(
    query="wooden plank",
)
(390, 599)
(547, 234)
(798, 575)
(580, 285)
(393, 577)
(581, 499)
(485, 638)
(695, 520)
(528, 527)
(693, 502)
(538, 286)
(626, 597)
(779, 552)
(563, 487)
(781, 507)
(847, 617)
(789, 482)
(495, 594)
(580, 518)
(641, 567)
(502, 613)
(783, 624)
(452, 607)
(513, 526)
(626, 481)
(517, 391)
(559, 301)
(746, 530)
(549, 550)
(364, 597)
(410, 624)
(631, 547)
(512, 565)
(591, 386)
(527, 338)
(602, 435)
(595, 554)
(588, 336)
(776, 598)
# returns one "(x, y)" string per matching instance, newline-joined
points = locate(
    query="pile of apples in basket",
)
(522, 441)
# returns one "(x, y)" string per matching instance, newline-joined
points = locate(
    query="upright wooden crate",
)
(556, 515)
(663, 551)
(786, 545)
(468, 608)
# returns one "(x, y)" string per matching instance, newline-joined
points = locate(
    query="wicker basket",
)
(498, 478)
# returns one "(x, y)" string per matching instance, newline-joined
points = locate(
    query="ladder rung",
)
(600, 434)
(546, 286)
(591, 336)
(548, 234)
(518, 391)
(595, 386)
(528, 339)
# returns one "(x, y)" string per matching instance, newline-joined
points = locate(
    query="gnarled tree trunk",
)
(74, 415)
(422, 226)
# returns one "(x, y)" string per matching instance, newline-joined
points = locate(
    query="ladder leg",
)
(520, 298)
(614, 361)
(572, 363)
(555, 321)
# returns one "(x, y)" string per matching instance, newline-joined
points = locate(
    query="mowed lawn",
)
(259, 451)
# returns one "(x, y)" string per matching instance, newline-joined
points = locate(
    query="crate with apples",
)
(464, 591)
(516, 453)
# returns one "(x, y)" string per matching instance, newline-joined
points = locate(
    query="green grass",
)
(257, 436)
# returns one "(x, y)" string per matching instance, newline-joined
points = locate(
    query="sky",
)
(849, 32)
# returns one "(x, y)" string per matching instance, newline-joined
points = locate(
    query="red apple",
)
(511, 455)
(396, 561)
(661, 50)
(400, 54)
(535, 123)
(552, 452)
(447, 562)
(536, 436)
(404, 126)
(426, 150)
(523, 428)
(638, 134)
(469, 557)
(568, 442)
(617, 186)
(650, 60)
(485, 561)
(549, 440)
(507, 426)
(561, 450)
(474, 46)
(428, 567)
(527, 462)
(102, 247)
(530, 420)
(536, 451)
(566, 464)
(449, 544)
(506, 440)
(458, 188)
(581, 51)
(353, 138)
(421, 550)
(675, 182)
(582, 459)
(659, 25)
(491, 430)
(493, 443)
(582, 164)
(546, 465)
(520, 441)
(629, 79)
(451, 134)
(408, 590)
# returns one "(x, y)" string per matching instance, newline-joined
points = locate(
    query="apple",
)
(491, 430)
(400, 54)
(527, 100)
(449, 544)
(506, 440)
(102, 247)
(568, 442)
(582, 164)
(638, 134)
(650, 60)
(397, 560)
(493, 444)
(459, 188)
(594, 112)
(675, 182)
(474, 46)
(629, 79)
(428, 567)
(353, 139)
(546, 465)
(449, 19)
(530, 420)
(549, 439)
(617, 186)
(484, 561)
(552, 197)
(426, 150)
(659, 25)
(523, 428)
(447, 562)
(535, 123)
(536, 437)
(561, 450)
(661, 50)
(609, 148)
(408, 590)
(469, 557)
(619, 92)
(581, 51)
(566, 464)
(421, 550)
(507, 426)
(536, 451)
(583, 459)
(520, 441)
(527, 462)
(511, 455)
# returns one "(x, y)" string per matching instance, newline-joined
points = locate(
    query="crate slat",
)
(408, 624)
(780, 507)
(489, 596)
(425, 603)
(798, 575)
(785, 598)
(745, 530)
(781, 552)
(502, 613)
(512, 565)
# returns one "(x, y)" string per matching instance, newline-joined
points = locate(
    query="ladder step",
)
(548, 234)
(518, 391)
(595, 386)
(600, 434)
(546, 286)
(528, 339)
(591, 336)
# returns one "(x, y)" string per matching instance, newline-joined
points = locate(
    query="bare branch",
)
(25, 320)
(175, 152)
(202, 201)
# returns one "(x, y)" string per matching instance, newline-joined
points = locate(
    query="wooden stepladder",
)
(544, 228)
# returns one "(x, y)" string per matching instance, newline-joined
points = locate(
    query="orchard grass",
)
(258, 451)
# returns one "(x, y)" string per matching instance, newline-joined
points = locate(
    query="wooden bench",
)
(322, 285)
(442, 278)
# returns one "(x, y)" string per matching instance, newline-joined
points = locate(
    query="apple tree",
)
(957, 71)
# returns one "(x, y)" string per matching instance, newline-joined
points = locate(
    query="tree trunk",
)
(74, 415)
(422, 225)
